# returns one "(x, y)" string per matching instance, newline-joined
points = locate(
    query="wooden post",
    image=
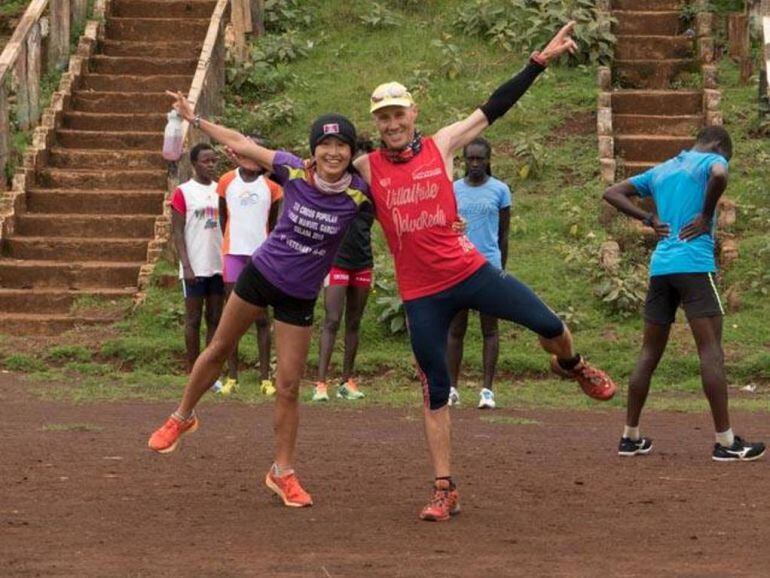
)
(34, 73)
(59, 38)
(79, 9)
(238, 20)
(5, 138)
(248, 25)
(258, 17)
(22, 88)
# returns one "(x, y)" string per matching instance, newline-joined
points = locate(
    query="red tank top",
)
(415, 205)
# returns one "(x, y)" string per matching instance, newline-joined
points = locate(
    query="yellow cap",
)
(390, 94)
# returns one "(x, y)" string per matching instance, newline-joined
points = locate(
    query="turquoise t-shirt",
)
(480, 207)
(678, 188)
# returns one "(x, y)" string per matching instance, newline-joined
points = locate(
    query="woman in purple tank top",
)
(321, 198)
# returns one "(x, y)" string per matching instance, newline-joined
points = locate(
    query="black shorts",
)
(255, 289)
(695, 292)
(203, 287)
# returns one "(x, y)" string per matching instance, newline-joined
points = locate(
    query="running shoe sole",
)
(738, 459)
(192, 429)
(430, 518)
(273, 486)
(639, 452)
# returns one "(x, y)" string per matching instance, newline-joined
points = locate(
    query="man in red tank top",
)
(438, 270)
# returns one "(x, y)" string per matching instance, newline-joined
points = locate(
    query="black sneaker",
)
(740, 451)
(629, 447)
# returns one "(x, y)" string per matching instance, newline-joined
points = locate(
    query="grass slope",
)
(144, 358)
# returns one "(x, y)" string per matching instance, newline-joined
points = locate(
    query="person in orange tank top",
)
(438, 270)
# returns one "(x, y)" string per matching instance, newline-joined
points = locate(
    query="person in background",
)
(249, 204)
(686, 190)
(198, 242)
(347, 289)
(485, 204)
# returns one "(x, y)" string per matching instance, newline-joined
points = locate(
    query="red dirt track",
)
(545, 499)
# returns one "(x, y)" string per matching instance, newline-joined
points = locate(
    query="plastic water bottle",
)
(172, 137)
(217, 387)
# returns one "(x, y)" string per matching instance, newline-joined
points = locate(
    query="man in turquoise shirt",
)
(686, 190)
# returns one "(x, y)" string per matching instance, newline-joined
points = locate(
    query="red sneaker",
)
(594, 382)
(166, 438)
(444, 504)
(289, 490)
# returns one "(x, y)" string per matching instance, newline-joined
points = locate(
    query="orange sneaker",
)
(166, 438)
(320, 391)
(289, 490)
(594, 382)
(349, 390)
(444, 504)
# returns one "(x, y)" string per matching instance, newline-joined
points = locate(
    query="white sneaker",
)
(454, 396)
(486, 399)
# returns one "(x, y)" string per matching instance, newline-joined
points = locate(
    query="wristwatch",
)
(196, 121)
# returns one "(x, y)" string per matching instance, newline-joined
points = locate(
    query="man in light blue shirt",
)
(485, 204)
(686, 190)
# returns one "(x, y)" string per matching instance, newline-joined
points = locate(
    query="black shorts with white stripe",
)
(695, 292)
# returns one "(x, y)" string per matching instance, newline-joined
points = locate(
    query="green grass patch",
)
(509, 420)
(25, 363)
(72, 427)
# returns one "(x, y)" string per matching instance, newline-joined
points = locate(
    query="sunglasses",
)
(390, 92)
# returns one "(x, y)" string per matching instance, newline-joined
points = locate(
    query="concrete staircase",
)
(657, 100)
(76, 251)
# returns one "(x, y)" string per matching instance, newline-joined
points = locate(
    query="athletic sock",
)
(447, 479)
(279, 472)
(632, 433)
(726, 438)
(569, 363)
(182, 417)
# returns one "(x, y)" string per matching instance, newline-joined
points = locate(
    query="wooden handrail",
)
(22, 55)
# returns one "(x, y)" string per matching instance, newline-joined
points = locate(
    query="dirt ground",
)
(549, 498)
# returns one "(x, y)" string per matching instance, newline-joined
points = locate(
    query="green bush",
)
(69, 353)
(378, 16)
(25, 363)
(283, 15)
(525, 25)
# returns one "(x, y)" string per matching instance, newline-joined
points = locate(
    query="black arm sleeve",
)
(508, 93)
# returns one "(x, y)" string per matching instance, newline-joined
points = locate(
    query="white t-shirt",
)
(248, 209)
(202, 235)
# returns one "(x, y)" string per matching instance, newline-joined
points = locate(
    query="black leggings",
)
(489, 291)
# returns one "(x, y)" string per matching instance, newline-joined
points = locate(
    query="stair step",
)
(101, 179)
(676, 102)
(43, 301)
(126, 102)
(105, 159)
(106, 202)
(86, 139)
(134, 65)
(133, 83)
(77, 275)
(650, 148)
(653, 47)
(75, 249)
(658, 74)
(181, 49)
(86, 226)
(628, 169)
(171, 9)
(115, 122)
(644, 23)
(649, 5)
(48, 324)
(654, 124)
(156, 29)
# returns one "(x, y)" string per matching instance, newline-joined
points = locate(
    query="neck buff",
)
(405, 154)
(327, 187)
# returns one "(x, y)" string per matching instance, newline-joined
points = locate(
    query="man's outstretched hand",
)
(560, 43)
